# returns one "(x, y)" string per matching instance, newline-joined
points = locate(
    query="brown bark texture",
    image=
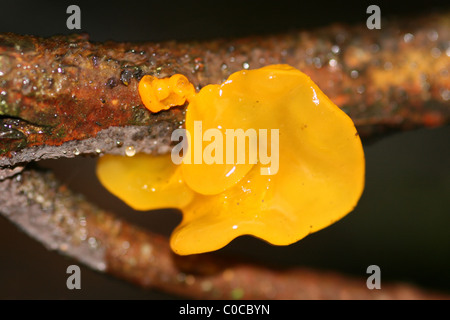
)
(66, 222)
(66, 89)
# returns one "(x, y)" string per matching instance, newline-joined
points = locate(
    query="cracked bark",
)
(63, 89)
(66, 96)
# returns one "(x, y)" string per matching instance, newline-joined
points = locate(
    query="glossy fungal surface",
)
(144, 182)
(162, 94)
(318, 179)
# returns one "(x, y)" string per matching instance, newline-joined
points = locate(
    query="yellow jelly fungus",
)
(162, 94)
(318, 180)
(144, 182)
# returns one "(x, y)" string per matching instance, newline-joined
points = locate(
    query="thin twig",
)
(63, 221)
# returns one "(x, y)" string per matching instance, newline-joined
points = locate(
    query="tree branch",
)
(64, 89)
(63, 221)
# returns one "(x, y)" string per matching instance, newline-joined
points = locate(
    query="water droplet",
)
(360, 89)
(317, 62)
(83, 221)
(198, 64)
(445, 94)
(374, 48)
(435, 52)
(246, 65)
(354, 74)
(98, 150)
(224, 66)
(432, 35)
(92, 242)
(130, 151)
(335, 49)
(112, 82)
(408, 37)
(76, 152)
(332, 63)
(83, 234)
(119, 143)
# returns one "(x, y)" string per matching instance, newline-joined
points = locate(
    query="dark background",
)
(401, 223)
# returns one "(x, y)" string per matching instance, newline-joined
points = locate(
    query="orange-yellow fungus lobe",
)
(321, 170)
(319, 179)
(162, 94)
(144, 182)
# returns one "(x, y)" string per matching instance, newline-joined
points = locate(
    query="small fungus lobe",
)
(162, 94)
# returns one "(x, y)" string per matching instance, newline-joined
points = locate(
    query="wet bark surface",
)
(63, 89)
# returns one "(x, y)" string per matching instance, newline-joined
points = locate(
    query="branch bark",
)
(64, 89)
(63, 221)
